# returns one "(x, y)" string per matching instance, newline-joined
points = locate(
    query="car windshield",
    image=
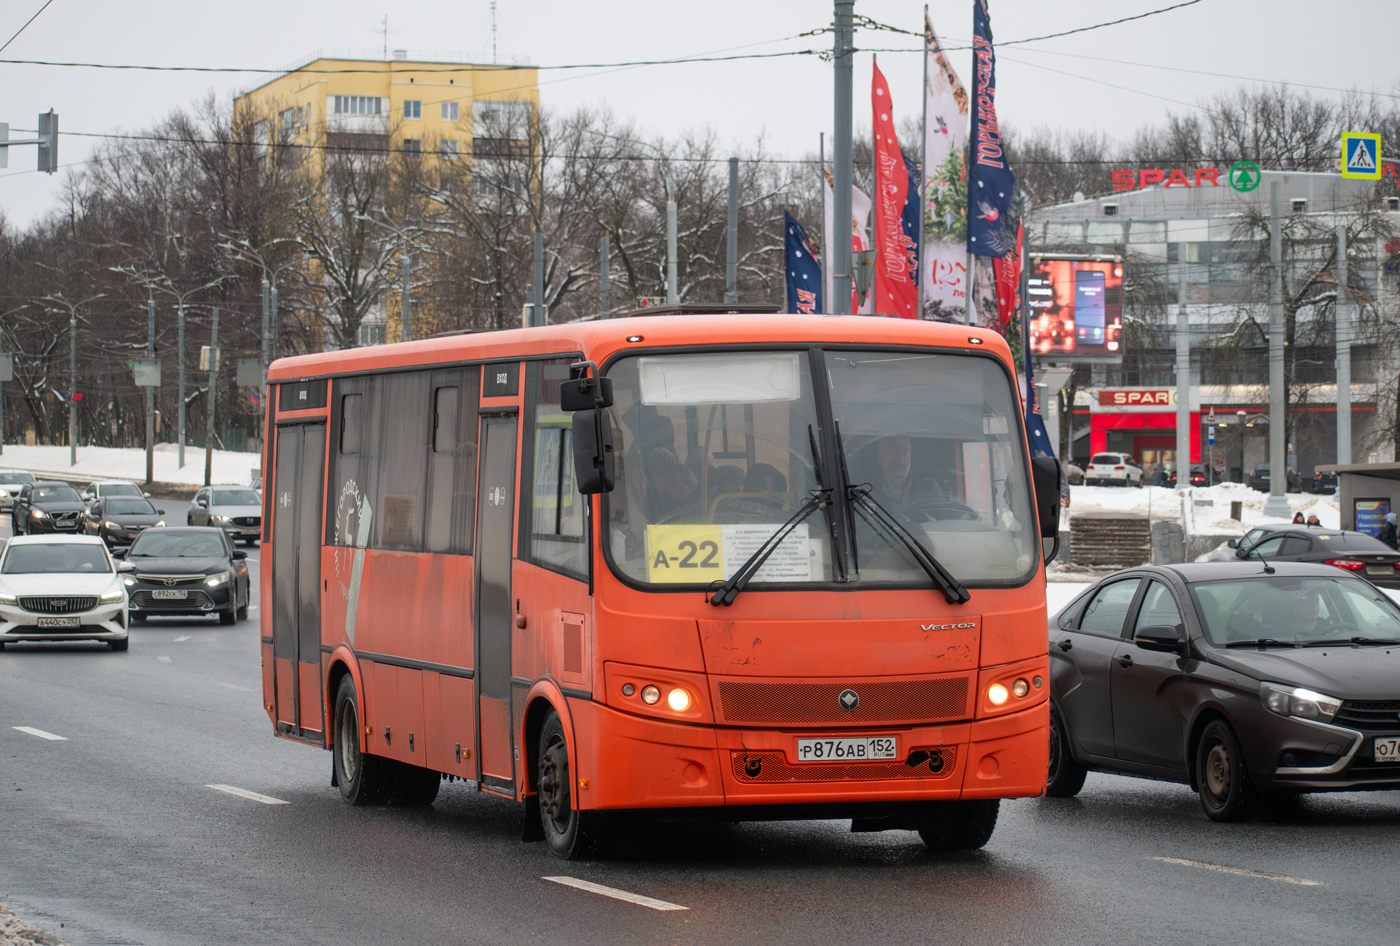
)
(16, 479)
(1104, 459)
(118, 489)
(1294, 610)
(236, 497)
(162, 544)
(716, 452)
(55, 558)
(55, 494)
(129, 507)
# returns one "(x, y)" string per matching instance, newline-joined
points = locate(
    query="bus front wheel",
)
(958, 825)
(570, 833)
(362, 778)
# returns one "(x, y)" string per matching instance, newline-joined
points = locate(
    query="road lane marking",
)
(40, 733)
(235, 687)
(1240, 872)
(251, 796)
(616, 894)
(179, 639)
(164, 660)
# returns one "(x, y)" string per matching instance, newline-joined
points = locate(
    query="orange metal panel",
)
(458, 725)
(411, 743)
(496, 745)
(798, 648)
(269, 697)
(286, 699)
(390, 738)
(309, 676)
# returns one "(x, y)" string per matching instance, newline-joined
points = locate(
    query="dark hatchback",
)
(118, 520)
(187, 570)
(1354, 552)
(46, 507)
(1234, 680)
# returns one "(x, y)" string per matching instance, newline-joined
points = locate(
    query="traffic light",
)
(48, 141)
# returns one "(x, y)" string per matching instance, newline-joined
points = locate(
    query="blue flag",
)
(991, 185)
(804, 273)
(1036, 433)
(909, 219)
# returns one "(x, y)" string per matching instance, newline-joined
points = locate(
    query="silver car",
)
(106, 489)
(235, 509)
(10, 483)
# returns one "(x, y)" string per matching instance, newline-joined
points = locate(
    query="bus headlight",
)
(678, 699)
(997, 694)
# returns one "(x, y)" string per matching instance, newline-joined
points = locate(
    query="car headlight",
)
(110, 525)
(7, 599)
(38, 514)
(113, 597)
(214, 581)
(159, 525)
(221, 519)
(1297, 701)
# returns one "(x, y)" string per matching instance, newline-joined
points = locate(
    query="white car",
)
(1112, 469)
(104, 489)
(10, 483)
(62, 588)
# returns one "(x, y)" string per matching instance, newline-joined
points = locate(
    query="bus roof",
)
(600, 339)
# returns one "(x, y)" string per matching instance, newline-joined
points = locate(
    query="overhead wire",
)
(26, 25)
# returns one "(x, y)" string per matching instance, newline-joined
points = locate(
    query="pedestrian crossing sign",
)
(1361, 155)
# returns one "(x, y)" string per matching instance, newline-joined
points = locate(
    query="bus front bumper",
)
(632, 762)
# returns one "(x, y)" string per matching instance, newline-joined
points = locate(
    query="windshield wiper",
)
(1352, 640)
(1262, 642)
(881, 520)
(727, 592)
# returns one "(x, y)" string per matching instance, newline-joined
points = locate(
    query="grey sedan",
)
(235, 509)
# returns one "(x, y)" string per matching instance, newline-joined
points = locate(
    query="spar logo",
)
(1162, 398)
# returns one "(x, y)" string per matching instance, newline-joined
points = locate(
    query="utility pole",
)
(672, 298)
(276, 320)
(843, 56)
(407, 335)
(1343, 333)
(826, 244)
(537, 312)
(1183, 381)
(213, 399)
(731, 254)
(151, 394)
(604, 263)
(73, 386)
(265, 359)
(180, 361)
(1276, 507)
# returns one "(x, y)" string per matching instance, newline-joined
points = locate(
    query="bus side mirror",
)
(582, 394)
(595, 468)
(1045, 477)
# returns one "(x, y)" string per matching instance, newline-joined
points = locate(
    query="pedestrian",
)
(1314, 522)
(1298, 519)
(1388, 530)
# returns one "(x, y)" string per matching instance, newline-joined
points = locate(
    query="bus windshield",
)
(715, 452)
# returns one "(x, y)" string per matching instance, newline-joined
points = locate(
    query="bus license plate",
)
(179, 594)
(1387, 748)
(861, 749)
(62, 622)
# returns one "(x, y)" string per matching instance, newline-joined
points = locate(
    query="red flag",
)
(1007, 272)
(896, 260)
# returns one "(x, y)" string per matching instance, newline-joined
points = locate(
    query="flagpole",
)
(786, 262)
(826, 244)
(923, 180)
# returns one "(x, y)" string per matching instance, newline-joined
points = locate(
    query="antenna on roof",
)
(384, 27)
(493, 32)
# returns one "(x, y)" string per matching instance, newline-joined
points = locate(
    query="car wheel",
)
(1223, 781)
(957, 825)
(119, 645)
(361, 777)
(189, 519)
(570, 833)
(242, 613)
(227, 617)
(1066, 777)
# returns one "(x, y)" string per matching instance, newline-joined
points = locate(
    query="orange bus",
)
(696, 566)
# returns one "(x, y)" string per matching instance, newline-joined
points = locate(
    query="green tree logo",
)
(1244, 176)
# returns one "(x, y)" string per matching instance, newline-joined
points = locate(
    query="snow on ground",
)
(1166, 503)
(129, 463)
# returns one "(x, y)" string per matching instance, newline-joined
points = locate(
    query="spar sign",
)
(1141, 401)
(1243, 176)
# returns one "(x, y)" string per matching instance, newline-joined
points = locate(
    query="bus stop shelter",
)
(1365, 493)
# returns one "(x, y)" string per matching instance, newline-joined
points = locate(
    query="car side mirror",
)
(126, 566)
(121, 553)
(201, 502)
(147, 495)
(1165, 638)
(239, 553)
(1241, 553)
(595, 466)
(160, 512)
(1233, 543)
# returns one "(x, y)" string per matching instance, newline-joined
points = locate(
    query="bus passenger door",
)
(495, 533)
(296, 580)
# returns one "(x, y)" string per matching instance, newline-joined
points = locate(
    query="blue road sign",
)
(1361, 155)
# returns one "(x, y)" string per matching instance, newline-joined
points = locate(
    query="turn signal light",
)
(1020, 688)
(1350, 564)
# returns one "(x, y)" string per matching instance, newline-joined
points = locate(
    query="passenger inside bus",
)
(896, 485)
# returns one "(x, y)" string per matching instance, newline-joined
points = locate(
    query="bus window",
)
(937, 439)
(555, 536)
(403, 459)
(713, 456)
(351, 424)
(452, 466)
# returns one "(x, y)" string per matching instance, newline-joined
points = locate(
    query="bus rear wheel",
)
(362, 778)
(958, 825)
(570, 833)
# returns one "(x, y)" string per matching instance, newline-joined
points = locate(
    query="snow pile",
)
(16, 932)
(1163, 503)
(129, 463)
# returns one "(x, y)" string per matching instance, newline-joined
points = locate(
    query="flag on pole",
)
(990, 229)
(860, 213)
(944, 282)
(896, 254)
(1007, 272)
(804, 272)
(1036, 433)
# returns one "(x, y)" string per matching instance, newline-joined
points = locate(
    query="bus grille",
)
(69, 605)
(891, 701)
(768, 767)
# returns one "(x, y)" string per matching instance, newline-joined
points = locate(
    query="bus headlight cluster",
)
(678, 698)
(998, 693)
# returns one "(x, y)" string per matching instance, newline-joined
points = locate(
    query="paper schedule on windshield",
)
(702, 553)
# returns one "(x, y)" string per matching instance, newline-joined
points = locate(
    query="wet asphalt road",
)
(113, 833)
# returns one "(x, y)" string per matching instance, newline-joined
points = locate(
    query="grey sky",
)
(786, 100)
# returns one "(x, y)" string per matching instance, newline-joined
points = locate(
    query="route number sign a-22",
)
(1361, 155)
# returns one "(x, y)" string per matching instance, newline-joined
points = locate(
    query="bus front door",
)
(495, 533)
(296, 580)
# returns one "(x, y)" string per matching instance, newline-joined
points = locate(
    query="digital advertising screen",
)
(1076, 308)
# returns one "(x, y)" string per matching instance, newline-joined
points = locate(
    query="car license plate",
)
(1379, 570)
(170, 594)
(62, 622)
(860, 749)
(1387, 748)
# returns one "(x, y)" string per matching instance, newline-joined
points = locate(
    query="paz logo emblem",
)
(286, 500)
(849, 700)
